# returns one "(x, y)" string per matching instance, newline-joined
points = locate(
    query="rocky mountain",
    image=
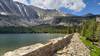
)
(18, 14)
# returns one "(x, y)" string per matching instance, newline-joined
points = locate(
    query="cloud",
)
(76, 5)
(23, 1)
(98, 3)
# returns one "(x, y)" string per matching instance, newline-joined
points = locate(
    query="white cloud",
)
(98, 3)
(22, 1)
(76, 5)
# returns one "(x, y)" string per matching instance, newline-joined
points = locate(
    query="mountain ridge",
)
(25, 15)
(14, 13)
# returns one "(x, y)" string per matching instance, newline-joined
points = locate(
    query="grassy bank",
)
(95, 51)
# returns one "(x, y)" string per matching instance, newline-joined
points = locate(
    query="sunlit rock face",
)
(17, 14)
(98, 18)
(14, 13)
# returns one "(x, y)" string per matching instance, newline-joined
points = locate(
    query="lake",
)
(9, 42)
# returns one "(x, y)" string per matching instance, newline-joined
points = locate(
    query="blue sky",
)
(92, 6)
(77, 7)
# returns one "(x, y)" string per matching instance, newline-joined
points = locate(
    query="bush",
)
(93, 38)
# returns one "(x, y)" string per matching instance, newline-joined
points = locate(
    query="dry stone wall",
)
(51, 48)
(75, 48)
(47, 49)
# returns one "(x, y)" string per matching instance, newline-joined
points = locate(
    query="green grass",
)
(95, 51)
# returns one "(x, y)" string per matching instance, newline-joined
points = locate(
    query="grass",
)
(94, 51)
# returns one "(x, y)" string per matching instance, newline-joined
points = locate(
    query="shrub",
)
(93, 38)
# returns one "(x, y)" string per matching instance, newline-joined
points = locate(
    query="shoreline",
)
(10, 42)
(51, 47)
(33, 33)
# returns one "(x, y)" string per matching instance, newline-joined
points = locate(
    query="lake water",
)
(9, 42)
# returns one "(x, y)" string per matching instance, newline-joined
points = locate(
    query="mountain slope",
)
(18, 14)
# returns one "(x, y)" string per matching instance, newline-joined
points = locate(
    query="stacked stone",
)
(70, 45)
(75, 48)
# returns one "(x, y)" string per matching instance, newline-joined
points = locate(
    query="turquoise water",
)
(10, 42)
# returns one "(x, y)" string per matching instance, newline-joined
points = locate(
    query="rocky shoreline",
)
(70, 45)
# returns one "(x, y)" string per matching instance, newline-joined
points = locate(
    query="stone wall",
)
(98, 18)
(47, 49)
(75, 48)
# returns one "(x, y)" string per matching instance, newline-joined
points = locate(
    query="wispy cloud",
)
(76, 5)
(98, 3)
